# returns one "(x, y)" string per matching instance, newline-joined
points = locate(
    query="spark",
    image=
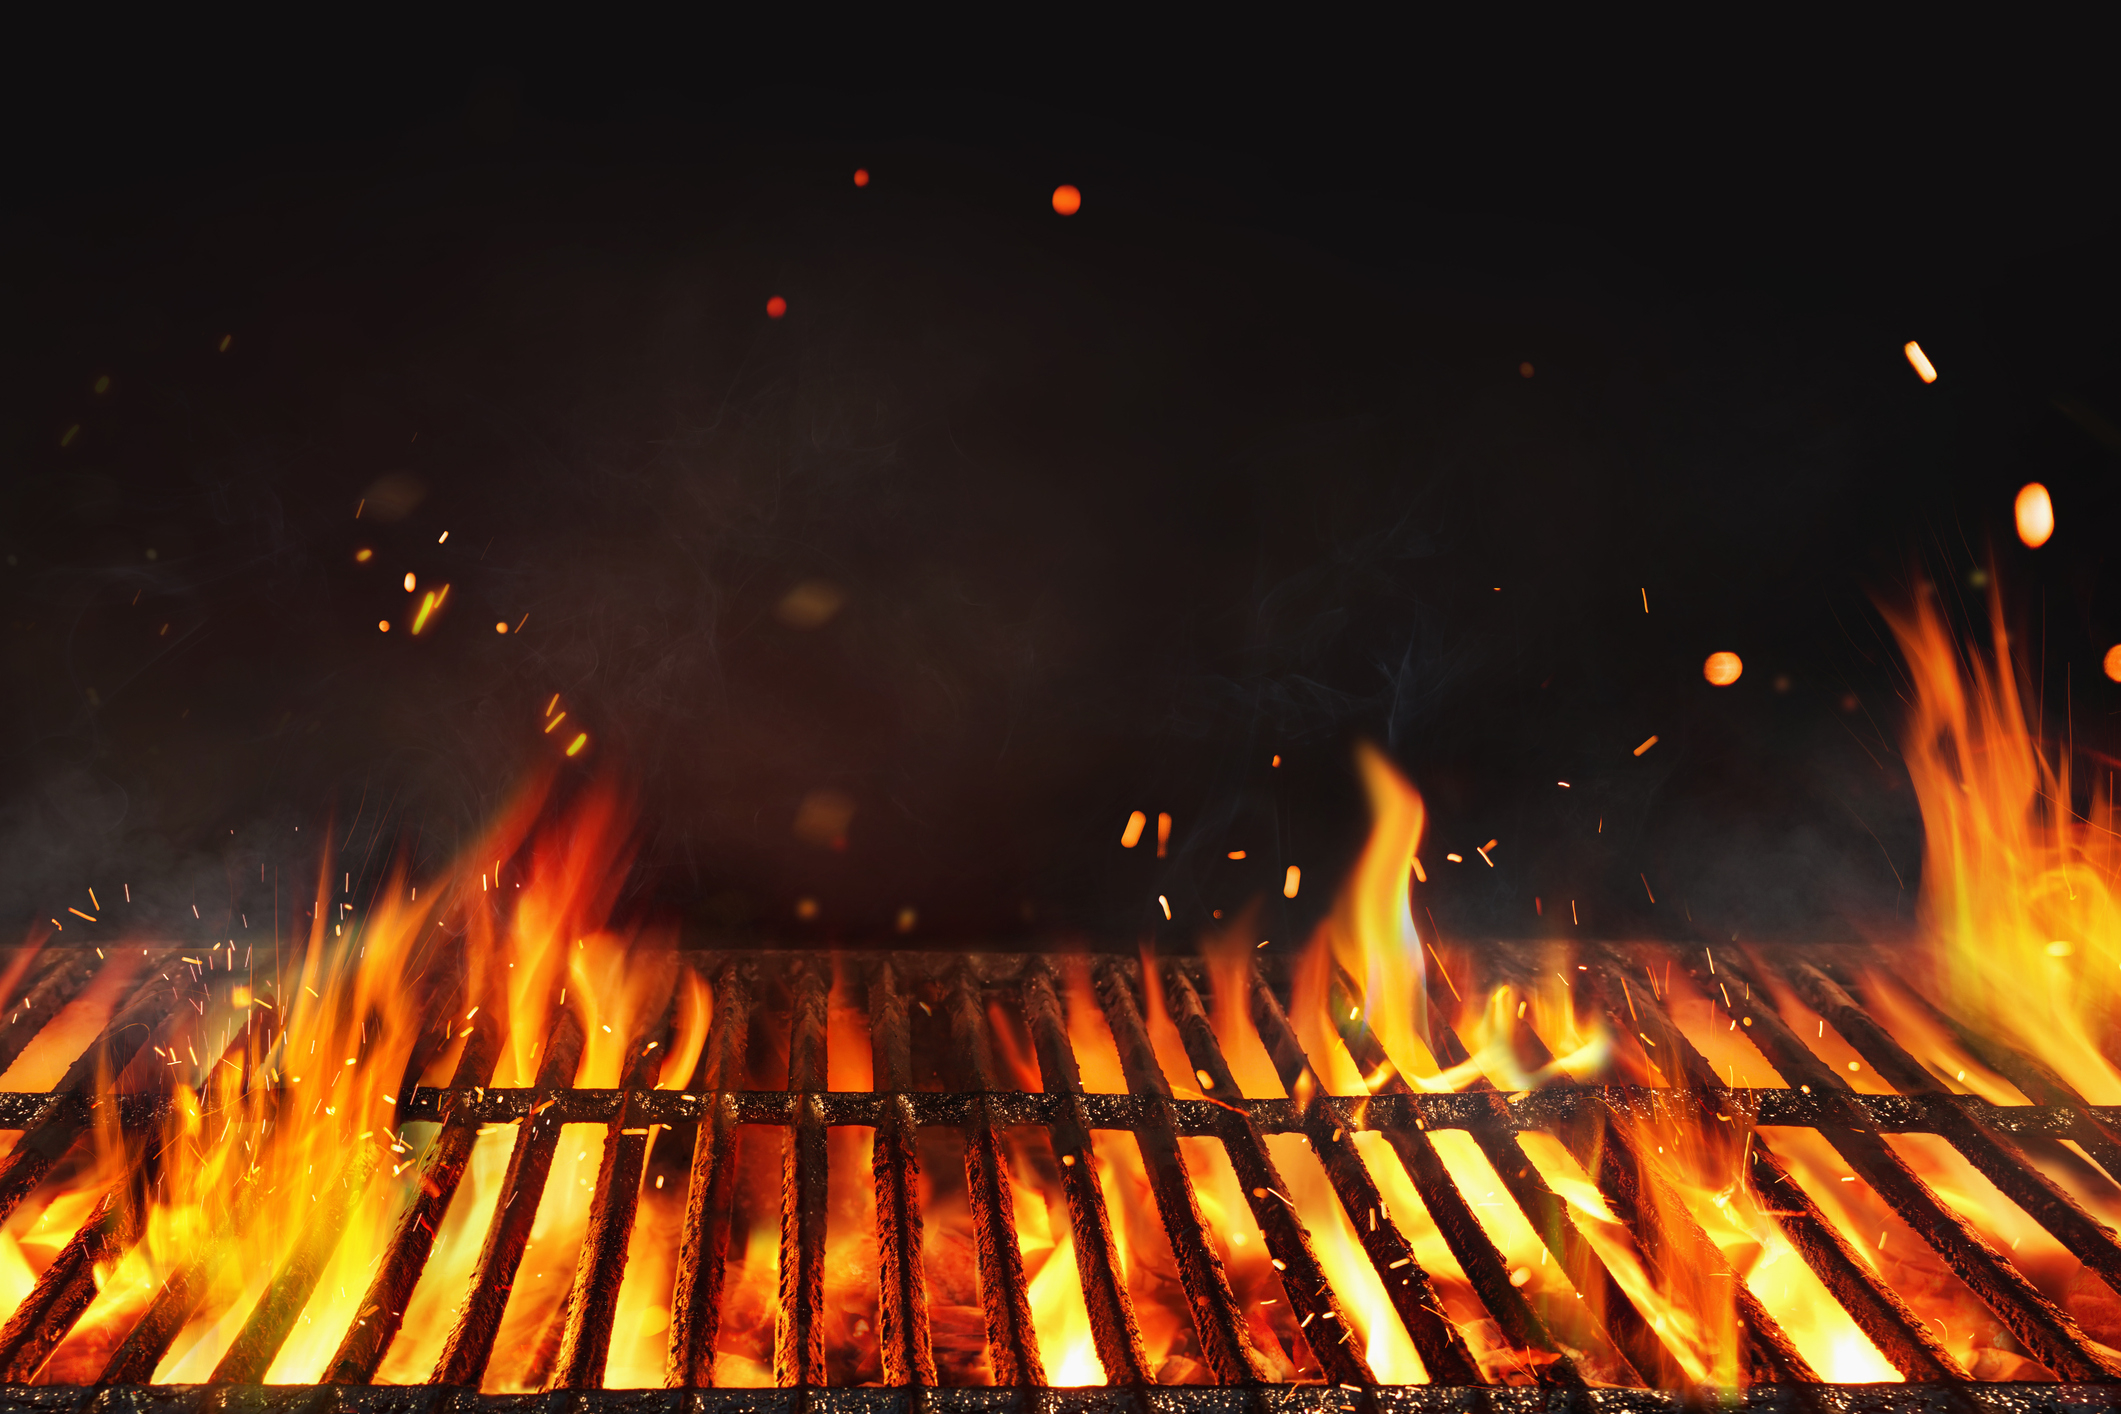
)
(1290, 881)
(383, 625)
(1167, 907)
(1646, 886)
(861, 176)
(776, 307)
(1456, 858)
(363, 555)
(1237, 854)
(92, 901)
(1163, 832)
(581, 740)
(1646, 746)
(444, 540)
(1067, 200)
(1920, 362)
(1420, 873)
(1132, 834)
(1645, 600)
(1276, 762)
(411, 581)
(554, 722)
(79, 914)
(428, 605)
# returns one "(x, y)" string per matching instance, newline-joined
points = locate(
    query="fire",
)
(2012, 864)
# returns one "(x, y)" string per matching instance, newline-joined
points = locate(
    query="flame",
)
(2018, 901)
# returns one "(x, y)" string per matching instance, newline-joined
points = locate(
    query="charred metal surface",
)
(703, 1253)
(2051, 1334)
(1112, 1321)
(2034, 1080)
(1999, 1161)
(907, 1346)
(1196, 1399)
(1534, 1109)
(1319, 1312)
(1412, 1293)
(252, 1352)
(1224, 1341)
(382, 1310)
(1012, 1343)
(65, 1288)
(1608, 1312)
(50, 981)
(1901, 1336)
(470, 1343)
(600, 1268)
(1666, 1234)
(63, 1115)
(799, 1333)
(1602, 1124)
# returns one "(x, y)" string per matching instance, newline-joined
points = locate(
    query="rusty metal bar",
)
(1012, 1343)
(1319, 1312)
(1995, 1157)
(600, 1269)
(1113, 1327)
(251, 1354)
(2036, 1080)
(470, 1343)
(1224, 1341)
(2049, 1333)
(1608, 1310)
(906, 1344)
(66, 1287)
(382, 1309)
(1413, 1296)
(1665, 1232)
(799, 1334)
(64, 1115)
(1901, 1336)
(703, 1254)
(57, 978)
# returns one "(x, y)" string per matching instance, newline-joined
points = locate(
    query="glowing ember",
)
(1067, 200)
(1722, 669)
(2035, 512)
(1920, 362)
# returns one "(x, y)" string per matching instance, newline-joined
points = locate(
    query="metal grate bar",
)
(273, 1318)
(55, 978)
(66, 1287)
(1113, 1326)
(1900, 1335)
(2036, 1081)
(908, 1347)
(382, 1310)
(1665, 1232)
(703, 1253)
(1608, 1309)
(63, 1115)
(2052, 1336)
(470, 1342)
(1321, 1317)
(1012, 1342)
(1409, 1287)
(600, 1268)
(1225, 1343)
(799, 1334)
(1997, 1159)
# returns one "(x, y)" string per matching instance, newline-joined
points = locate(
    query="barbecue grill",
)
(785, 994)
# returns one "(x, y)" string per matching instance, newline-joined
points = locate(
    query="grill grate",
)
(747, 989)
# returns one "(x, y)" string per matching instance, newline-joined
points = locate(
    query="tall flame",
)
(2018, 899)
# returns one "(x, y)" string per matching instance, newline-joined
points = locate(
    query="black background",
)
(1237, 461)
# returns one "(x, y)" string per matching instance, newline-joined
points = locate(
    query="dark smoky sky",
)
(1352, 405)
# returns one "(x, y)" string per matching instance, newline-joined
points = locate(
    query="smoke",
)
(1008, 527)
